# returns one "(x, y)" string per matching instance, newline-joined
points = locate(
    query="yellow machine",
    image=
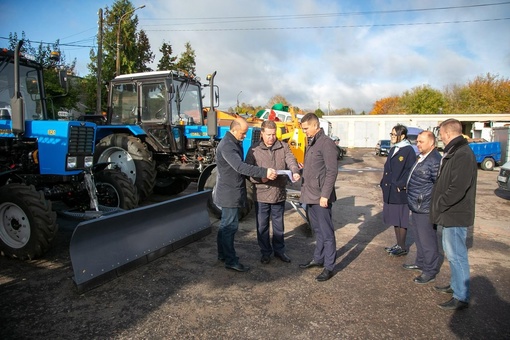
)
(289, 131)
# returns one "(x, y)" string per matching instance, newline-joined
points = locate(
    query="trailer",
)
(487, 154)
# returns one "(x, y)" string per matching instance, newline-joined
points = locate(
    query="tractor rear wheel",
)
(115, 189)
(130, 155)
(27, 222)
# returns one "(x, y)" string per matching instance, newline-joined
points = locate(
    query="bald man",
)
(230, 190)
(419, 193)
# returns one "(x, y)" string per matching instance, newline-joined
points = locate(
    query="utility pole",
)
(99, 61)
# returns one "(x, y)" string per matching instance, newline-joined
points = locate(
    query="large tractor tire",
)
(130, 155)
(171, 185)
(210, 184)
(115, 189)
(27, 223)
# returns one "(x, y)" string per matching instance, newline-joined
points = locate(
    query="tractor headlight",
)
(89, 161)
(71, 162)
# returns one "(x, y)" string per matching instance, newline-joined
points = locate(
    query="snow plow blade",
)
(109, 246)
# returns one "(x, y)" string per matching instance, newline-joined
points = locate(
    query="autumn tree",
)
(278, 98)
(484, 94)
(388, 105)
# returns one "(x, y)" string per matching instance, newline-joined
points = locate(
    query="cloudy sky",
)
(316, 53)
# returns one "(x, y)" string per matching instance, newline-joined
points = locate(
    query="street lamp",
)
(118, 37)
(238, 100)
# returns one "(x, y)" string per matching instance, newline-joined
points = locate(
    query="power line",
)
(325, 27)
(322, 15)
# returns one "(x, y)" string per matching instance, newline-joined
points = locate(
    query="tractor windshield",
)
(29, 87)
(186, 104)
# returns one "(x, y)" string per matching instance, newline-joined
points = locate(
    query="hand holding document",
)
(287, 173)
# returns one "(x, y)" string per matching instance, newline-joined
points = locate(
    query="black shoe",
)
(444, 290)
(390, 249)
(310, 264)
(398, 251)
(282, 257)
(453, 304)
(324, 276)
(238, 267)
(411, 267)
(222, 259)
(265, 259)
(424, 279)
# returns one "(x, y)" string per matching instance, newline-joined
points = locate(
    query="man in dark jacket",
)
(419, 192)
(230, 189)
(269, 195)
(453, 209)
(318, 193)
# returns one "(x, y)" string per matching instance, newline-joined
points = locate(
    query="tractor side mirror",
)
(32, 86)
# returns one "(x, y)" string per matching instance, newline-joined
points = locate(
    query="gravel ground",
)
(188, 294)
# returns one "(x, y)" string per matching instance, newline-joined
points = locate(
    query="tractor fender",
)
(204, 176)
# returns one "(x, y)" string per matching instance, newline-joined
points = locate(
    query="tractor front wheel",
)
(27, 223)
(130, 155)
(115, 189)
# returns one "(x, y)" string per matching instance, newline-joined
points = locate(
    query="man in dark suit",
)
(230, 193)
(318, 193)
(419, 193)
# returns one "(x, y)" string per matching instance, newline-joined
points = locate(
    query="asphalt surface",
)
(188, 294)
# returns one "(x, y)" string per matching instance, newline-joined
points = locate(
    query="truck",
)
(47, 167)
(159, 134)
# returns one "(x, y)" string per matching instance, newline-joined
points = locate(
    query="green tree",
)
(167, 61)
(145, 55)
(135, 52)
(52, 61)
(187, 60)
(422, 100)
(319, 113)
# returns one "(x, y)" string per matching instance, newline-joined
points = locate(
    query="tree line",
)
(484, 94)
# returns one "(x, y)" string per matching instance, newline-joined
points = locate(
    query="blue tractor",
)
(46, 164)
(158, 133)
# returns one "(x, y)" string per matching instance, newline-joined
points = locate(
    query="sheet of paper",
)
(287, 173)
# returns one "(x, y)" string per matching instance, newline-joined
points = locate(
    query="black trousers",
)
(427, 256)
(322, 224)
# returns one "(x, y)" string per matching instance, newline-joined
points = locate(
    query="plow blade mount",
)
(107, 247)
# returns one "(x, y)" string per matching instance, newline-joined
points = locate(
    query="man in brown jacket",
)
(270, 195)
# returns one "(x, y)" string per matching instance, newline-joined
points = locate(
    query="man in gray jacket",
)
(318, 193)
(230, 189)
(269, 195)
(453, 209)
